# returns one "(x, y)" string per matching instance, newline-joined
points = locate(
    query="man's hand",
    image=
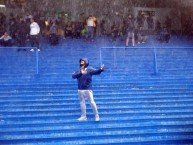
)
(102, 67)
(83, 71)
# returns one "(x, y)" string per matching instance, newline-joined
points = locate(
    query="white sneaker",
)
(38, 49)
(97, 118)
(32, 50)
(82, 118)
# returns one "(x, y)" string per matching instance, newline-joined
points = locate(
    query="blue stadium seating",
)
(144, 96)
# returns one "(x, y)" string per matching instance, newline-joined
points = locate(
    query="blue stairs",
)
(137, 105)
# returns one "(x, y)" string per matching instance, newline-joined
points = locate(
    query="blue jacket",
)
(85, 81)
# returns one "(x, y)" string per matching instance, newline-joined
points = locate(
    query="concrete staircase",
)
(136, 106)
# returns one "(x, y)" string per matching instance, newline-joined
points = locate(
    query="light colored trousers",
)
(83, 95)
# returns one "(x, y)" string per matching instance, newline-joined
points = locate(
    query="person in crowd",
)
(22, 31)
(53, 38)
(61, 29)
(84, 78)
(91, 26)
(168, 23)
(122, 31)
(69, 30)
(2, 30)
(141, 36)
(2, 20)
(46, 28)
(188, 26)
(150, 23)
(102, 28)
(114, 32)
(158, 27)
(34, 34)
(78, 28)
(12, 26)
(6, 39)
(165, 35)
(83, 32)
(27, 18)
(130, 30)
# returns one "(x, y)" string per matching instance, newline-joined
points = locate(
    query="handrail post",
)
(100, 56)
(155, 61)
(37, 61)
(115, 57)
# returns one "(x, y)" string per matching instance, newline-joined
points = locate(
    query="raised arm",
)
(97, 71)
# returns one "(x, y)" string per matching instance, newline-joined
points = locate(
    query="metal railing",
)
(36, 55)
(124, 48)
(155, 61)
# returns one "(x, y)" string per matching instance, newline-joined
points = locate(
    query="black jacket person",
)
(84, 78)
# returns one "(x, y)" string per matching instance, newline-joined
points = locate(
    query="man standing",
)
(22, 31)
(84, 78)
(34, 34)
(130, 30)
(91, 26)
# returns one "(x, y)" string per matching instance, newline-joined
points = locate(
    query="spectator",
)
(140, 26)
(78, 28)
(83, 32)
(102, 28)
(168, 23)
(12, 26)
(28, 17)
(150, 23)
(122, 31)
(2, 30)
(69, 30)
(6, 40)
(2, 20)
(22, 31)
(53, 39)
(164, 35)
(130, 30)
(34, 34)
(114, 31)
(158, 27)
(188, 26)
(91, 25)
